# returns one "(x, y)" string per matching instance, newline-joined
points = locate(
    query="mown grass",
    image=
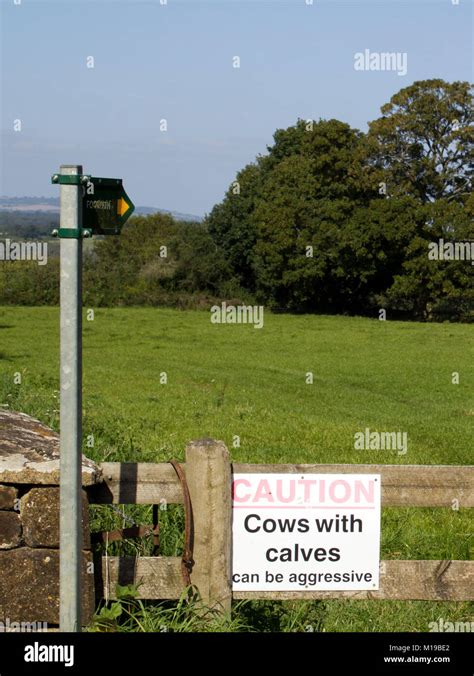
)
(248, 387)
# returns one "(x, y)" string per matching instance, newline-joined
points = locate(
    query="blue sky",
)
(174, 62)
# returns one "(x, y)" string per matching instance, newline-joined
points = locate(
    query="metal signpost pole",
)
(103, 206)
(70, 522)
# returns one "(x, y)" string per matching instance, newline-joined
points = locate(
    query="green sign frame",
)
(106, 207)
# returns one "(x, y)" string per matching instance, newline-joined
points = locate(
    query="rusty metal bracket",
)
(125, 533)
(187, 561)
(134, 531)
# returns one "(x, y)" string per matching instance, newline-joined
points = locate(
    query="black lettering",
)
(246, 523)
(267, 555)
(303, 525)
(286, 525)
(320, 554)
(269, 526)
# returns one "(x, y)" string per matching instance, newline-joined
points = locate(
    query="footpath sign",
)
(301, 532)
(106, 206)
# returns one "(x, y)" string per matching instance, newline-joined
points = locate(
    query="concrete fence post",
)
(208, 474)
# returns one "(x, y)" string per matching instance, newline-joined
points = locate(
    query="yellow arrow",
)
(122, 206)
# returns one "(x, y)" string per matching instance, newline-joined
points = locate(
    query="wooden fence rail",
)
(209, 474)
(402, 485)
(399, 580)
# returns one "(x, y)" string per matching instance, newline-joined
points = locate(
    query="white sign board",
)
(303, 532)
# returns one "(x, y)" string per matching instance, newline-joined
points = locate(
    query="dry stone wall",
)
(29, 523)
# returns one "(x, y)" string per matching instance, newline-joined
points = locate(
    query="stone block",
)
(39, 509)
(29, 453)
(8, 495)
(29, 585)
(10, 530)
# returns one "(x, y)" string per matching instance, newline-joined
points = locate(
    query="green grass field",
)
(248, 387)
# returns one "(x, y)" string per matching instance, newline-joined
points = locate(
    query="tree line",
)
(329, 220)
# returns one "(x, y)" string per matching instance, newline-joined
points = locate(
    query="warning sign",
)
(311, 531)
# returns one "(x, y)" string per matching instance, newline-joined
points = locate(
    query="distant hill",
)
(51, 205)
(145, 211)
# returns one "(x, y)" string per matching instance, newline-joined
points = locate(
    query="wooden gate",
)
(208, 473)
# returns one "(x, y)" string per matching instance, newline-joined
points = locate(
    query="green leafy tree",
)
(305, 201)
(231, 223)
(372, 248)
(436, 289)
(157, 261)
(423, 143)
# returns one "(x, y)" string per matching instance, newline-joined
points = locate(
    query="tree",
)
(156, 261)
(436, 289)
(423, 143)
(315, 182)
(231, 223)
(372, 248)
(311, 179)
